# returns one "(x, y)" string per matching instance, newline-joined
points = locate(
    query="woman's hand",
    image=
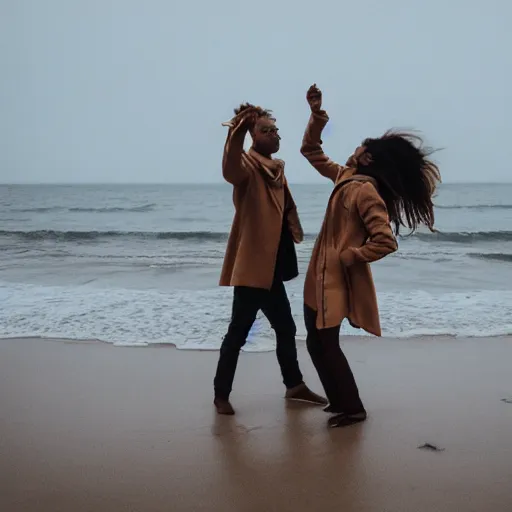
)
(314, 98)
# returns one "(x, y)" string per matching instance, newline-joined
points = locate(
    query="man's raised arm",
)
(233, 168)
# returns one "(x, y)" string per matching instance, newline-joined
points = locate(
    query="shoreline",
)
(86, 427)
(301, 339)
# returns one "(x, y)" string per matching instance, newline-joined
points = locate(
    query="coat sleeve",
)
(234, 169)
(312, 147)
(374, 214)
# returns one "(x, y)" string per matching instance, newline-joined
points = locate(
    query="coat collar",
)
(273, 168)
(349, 174)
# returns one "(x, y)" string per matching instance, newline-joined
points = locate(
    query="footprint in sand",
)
(219, 430)
(245, 430)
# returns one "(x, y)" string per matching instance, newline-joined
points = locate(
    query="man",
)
(260, 254)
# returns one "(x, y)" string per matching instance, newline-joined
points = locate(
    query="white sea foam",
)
(197, 319)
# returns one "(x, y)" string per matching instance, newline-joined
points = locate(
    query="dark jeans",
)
(332, 366)
(276, 307)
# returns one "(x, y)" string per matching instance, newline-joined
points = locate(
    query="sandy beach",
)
(85, 426)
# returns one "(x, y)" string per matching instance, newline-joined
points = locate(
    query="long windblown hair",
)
(406, 177)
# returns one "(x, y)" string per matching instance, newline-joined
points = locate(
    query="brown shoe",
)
(302, 393)
(223, 407)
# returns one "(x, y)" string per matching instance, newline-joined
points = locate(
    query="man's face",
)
(265, 136)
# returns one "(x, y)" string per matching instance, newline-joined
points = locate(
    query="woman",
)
(388, 180)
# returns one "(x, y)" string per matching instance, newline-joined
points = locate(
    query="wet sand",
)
(92, 427)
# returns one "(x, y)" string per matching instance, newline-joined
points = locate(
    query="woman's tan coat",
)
(355, 232)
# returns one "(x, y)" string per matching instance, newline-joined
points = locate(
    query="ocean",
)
(139, 264)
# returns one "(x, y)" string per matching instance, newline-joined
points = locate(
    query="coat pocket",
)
(345, 278)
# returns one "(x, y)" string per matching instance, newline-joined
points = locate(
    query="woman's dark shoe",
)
(331, 409)
(223, 407)
(345, 420)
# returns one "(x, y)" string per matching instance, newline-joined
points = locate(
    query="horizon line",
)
(109, 183)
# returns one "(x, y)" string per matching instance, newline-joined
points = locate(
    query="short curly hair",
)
(261, 111)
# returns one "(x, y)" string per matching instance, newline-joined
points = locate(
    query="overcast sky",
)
(135, 90)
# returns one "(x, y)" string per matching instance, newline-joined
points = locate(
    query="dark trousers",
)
(332, 366)
(276, 307)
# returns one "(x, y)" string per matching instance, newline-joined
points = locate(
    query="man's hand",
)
(246, 118)
(314, 97)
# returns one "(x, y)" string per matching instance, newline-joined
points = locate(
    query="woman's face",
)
(359, 157)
